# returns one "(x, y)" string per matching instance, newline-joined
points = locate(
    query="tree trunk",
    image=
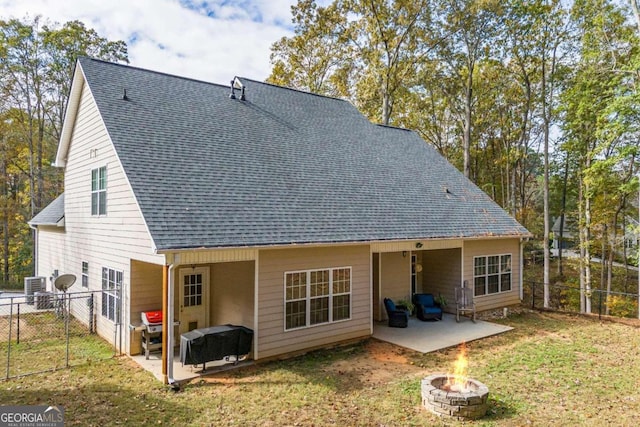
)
(581, 242)
(545, 191)
(467, 124)
(636, 13)
(562, 215)
(5, 220)
(587, 244)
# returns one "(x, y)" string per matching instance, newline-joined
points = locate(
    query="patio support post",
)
(169, 331)
(165, 315)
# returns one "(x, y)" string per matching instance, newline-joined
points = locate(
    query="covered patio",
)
(426, 337)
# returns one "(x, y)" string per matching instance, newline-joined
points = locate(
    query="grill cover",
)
(214, 343)
(151, 317)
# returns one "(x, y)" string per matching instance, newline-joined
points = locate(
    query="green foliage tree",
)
(364, 50)
(36, 67)
(600, 127)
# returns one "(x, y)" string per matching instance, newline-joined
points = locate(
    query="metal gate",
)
(48, 331)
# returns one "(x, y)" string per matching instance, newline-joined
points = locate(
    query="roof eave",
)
(73, 104)
(275, 245)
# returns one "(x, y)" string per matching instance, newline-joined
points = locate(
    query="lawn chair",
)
(398, 314)
(464, 302)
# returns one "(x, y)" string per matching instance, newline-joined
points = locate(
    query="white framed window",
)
(491, 274)
(99, 191)
(111, 288)
(316, 297)
(85, 274)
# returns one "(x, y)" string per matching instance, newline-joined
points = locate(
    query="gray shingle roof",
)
(52, 214)
(282, 167)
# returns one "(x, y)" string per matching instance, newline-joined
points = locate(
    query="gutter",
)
(522, 241)
(176, 251)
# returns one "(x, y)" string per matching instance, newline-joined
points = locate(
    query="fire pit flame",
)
(458, 380)
(455, 395)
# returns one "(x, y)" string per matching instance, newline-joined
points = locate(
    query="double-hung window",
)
(315, 297)
(111, 288)
(85, 274)
(491, 274)
(99, 191)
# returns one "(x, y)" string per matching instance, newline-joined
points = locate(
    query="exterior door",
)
(194, 298)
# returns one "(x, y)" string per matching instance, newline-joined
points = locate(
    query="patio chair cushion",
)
(426, 307)
(398, 317)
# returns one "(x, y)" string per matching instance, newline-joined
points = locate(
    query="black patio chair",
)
(398, 314)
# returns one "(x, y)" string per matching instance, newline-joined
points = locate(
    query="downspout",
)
(168, 321)
(170, 326)
(35, 251)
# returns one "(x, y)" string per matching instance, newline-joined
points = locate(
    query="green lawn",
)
(551, 370)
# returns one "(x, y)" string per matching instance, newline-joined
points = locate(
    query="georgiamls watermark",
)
(32, 416)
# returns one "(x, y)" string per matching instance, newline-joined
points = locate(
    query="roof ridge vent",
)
(236, 83)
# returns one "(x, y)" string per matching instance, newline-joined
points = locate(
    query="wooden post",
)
(165, 321)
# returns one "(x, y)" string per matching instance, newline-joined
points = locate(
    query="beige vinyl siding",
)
(232, 293)
(441, 274)
(395, 276)
(102, 241)
(273, 340)
(145, 294)
(476, 248)
(412, 245)
(52, 253)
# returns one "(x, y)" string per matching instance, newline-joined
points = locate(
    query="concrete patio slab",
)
(182, 373)
(426, 337)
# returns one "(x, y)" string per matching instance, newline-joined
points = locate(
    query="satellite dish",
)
(64, 282)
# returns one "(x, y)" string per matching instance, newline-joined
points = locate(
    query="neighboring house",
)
(286, 212)
(569, 233)
(627, 235)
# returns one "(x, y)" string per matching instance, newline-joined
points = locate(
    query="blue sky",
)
(207, 40)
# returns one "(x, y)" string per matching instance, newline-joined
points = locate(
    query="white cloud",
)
(211, 41)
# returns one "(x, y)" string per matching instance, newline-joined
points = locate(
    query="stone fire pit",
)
(468, 402)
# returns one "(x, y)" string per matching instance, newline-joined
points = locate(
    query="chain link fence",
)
(48, 331)
(567, 298)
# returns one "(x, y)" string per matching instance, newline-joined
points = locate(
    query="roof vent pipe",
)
(237, 84)
(124, 94)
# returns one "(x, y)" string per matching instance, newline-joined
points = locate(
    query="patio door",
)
(194, 298)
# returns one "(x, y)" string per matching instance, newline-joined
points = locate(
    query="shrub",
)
(622, 306)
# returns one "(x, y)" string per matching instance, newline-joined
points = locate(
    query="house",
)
(569, 235)
(252, 204)
(626, 236)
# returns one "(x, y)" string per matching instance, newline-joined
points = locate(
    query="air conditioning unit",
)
(33, 285)
(43, 300)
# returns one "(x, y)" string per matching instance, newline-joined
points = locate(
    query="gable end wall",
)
(110, 241)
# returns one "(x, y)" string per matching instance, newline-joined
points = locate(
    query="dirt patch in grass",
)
(379, 363)
(372, 363)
